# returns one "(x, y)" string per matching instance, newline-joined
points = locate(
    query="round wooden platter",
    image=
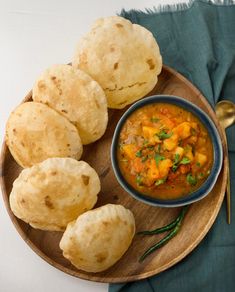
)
(197, 223)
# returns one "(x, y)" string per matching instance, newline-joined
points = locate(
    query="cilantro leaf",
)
(139, 179)
(201, 175)
(185, 160)
(138, 153)
(158, 147)
(164, 135)
(150, 147)
(144, 158)
(158, 158)
(192, 180)
(145, 142)
(193, 131)
(175, 163)
(160, 181)
(174, 167)
(154, 120)
(177, 158)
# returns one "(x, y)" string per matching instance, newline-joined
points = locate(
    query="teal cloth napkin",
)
(198, 40)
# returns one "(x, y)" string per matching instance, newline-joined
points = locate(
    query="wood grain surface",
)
(197, 223)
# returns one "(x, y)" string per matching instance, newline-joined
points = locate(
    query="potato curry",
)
(164, 151)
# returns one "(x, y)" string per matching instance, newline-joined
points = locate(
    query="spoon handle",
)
(228, 193)
(228, 198)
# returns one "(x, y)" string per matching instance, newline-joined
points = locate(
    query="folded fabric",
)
(198, 40)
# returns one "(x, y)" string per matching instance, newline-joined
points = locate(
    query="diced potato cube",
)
(137, 165)
(189, 153)
(192, 140)
(145, 120)
(171, 142)
(202, 150)
(183, 130)
(129, 150)
(201, 141)
(149, 131)
(149, 134)
(168, 123)
(179, 151)
(164, 167)
(203, 133)
(200, 158)
(195, 126)
(153, 172)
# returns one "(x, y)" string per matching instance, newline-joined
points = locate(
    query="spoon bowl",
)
(225, 112)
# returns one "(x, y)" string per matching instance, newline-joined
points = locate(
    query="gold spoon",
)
(225, 112)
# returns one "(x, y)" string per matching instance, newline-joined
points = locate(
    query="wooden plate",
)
(198, 220)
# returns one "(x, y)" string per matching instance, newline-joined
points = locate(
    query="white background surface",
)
(33, 36)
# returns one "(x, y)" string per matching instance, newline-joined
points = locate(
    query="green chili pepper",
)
(161, 229)
(170, 235)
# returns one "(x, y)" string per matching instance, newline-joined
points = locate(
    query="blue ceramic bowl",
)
(206, 187)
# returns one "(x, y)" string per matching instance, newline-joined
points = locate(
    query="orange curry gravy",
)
(164, 151)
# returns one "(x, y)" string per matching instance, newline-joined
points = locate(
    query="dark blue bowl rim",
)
(217, 152)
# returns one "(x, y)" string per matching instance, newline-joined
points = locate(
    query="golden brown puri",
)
(122, 57)
(35, 132)
(98, 238)
(76, 96)
(54, 192)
